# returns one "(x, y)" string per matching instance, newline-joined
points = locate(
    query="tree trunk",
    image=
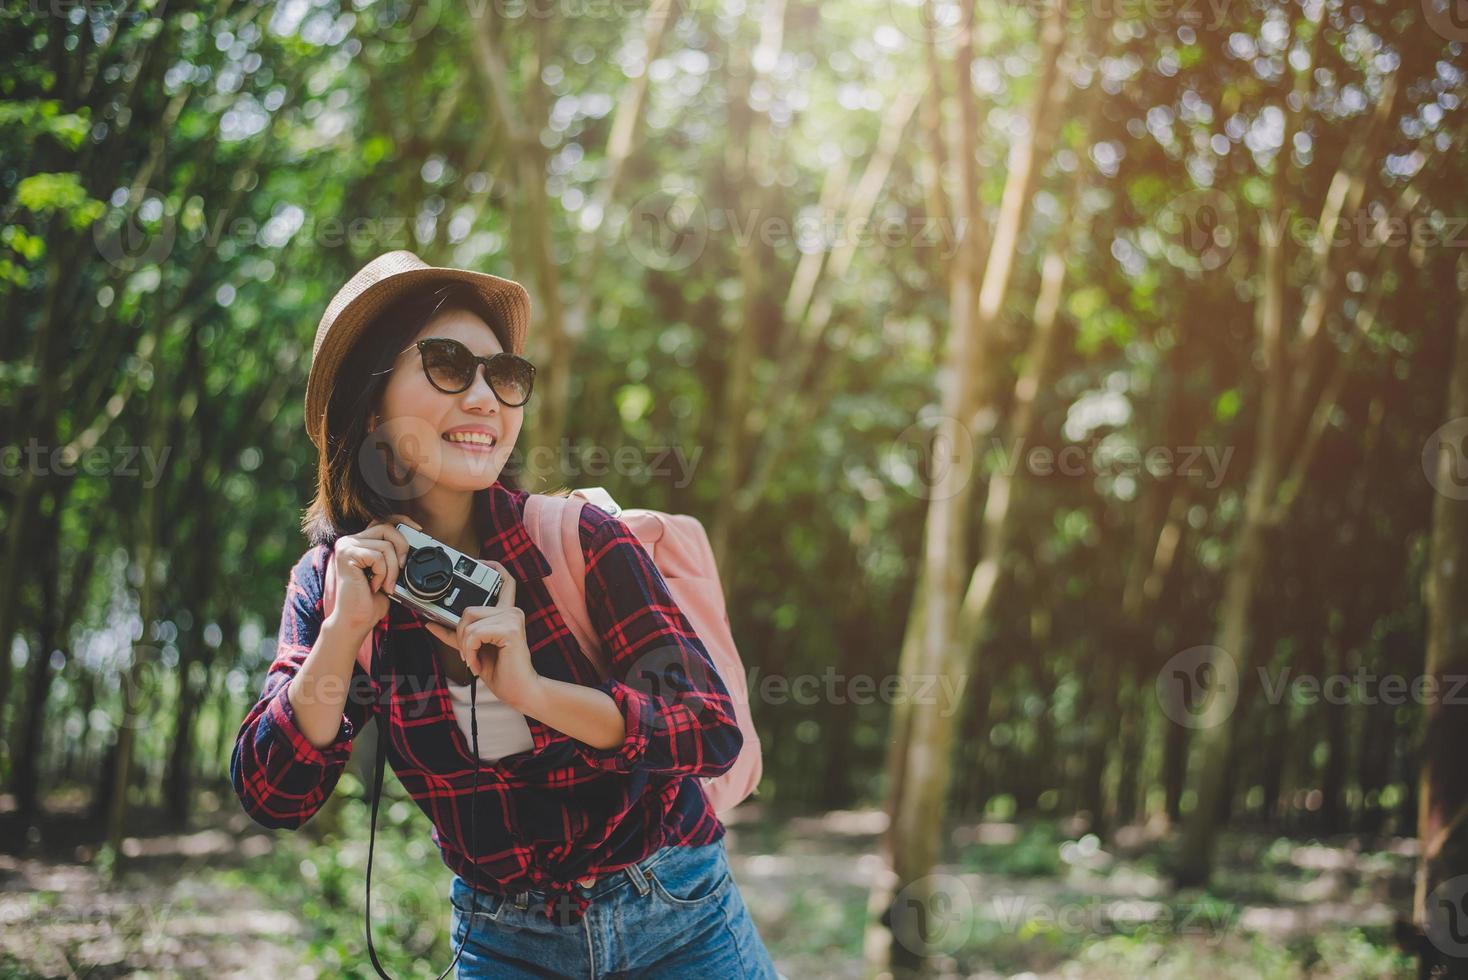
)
(1174, 770)
(26, 780)
(1216, 741)
(1131, 789)
(177, 791)
(150, 546)
(1442, 787)
(1276, 733)
(943, 643)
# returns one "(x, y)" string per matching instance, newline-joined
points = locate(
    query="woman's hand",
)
(491, 640)
(367, 566)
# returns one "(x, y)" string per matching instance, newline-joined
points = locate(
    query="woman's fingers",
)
(480, 626)
(506, 597)
(394, 538)
(386, 563)
(369, 559)
(468, 651)
(496, 629)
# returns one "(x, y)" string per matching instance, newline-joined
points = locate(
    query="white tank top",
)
(502, 730)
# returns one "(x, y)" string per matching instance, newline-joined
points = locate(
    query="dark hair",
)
(345, 501)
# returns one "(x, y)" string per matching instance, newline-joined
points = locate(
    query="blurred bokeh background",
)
(1075, 393)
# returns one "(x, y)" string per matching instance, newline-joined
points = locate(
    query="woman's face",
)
(420, 418)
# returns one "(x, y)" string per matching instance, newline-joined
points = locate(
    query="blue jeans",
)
(683, 918)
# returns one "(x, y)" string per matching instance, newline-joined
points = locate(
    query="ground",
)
(1032, 900)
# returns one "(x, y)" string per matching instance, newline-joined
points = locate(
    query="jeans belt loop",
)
(639, 878)
(522, 900)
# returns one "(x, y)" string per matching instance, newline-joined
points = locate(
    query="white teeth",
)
(477, 439)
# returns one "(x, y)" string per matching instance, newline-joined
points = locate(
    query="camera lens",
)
(428, 572)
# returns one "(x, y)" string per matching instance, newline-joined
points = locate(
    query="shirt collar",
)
(508, 542)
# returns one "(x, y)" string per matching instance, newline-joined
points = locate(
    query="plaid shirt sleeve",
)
(279, 776)
(678, 713)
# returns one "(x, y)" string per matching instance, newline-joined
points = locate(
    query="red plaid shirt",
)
(548, 816)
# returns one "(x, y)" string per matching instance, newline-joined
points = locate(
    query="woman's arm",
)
(677, 714)
(295, 742)
(582, 712)
(318, 688)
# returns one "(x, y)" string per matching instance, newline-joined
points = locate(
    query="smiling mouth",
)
(481, 443)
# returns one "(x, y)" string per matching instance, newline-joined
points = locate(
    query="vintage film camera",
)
(440, 582)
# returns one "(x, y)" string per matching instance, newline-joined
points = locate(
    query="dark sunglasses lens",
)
(511, 377)
(448, 364)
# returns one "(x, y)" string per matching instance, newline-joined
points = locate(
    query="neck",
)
(448, 515)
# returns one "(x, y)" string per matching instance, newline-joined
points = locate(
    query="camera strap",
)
(382, 745)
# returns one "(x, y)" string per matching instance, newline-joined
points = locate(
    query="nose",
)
(479, 393)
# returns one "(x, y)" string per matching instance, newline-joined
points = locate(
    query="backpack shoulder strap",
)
(554, 524)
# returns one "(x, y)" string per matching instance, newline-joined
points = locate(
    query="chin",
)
(467, 478)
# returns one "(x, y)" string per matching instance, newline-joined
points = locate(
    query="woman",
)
(595, 851)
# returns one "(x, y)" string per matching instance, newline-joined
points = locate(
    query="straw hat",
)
(374, 287)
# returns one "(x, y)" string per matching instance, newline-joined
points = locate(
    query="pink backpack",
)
(680, 549)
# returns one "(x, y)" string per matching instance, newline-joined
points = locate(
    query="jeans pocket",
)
(462, 895)
(692, 876)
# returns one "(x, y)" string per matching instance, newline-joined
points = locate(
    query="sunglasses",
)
(450, 366)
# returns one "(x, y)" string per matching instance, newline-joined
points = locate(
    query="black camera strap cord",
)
(382, 740)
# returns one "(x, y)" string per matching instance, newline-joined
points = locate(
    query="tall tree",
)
(1442, 782)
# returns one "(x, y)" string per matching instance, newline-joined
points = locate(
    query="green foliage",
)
(63, 192)
(43, 117)
(1034, 854)
(323, 879)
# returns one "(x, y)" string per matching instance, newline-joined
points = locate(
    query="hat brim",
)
(353, 321)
